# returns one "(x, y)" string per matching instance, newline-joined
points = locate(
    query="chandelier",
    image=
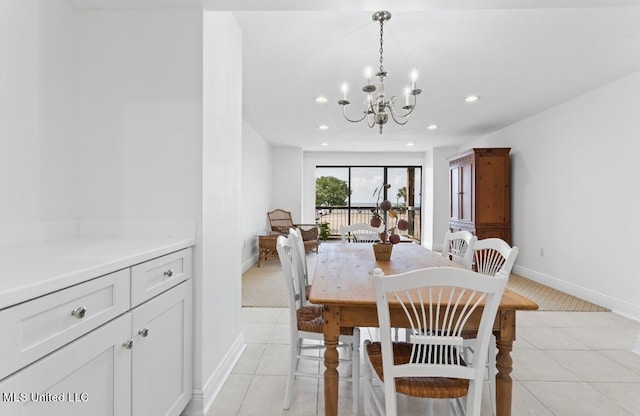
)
(378, 108)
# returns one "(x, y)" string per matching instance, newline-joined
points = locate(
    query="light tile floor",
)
(564, 364)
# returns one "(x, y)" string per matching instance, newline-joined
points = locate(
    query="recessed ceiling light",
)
(322, 99)
(432, 126)
(471, 99)
(409, 144)
(324, 144)
(323, 127)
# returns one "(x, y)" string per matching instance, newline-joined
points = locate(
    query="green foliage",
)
(331, 191)
(402, 194)
(324, 231)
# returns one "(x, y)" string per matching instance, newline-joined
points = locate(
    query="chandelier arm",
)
(405, 117)
(371, 121)
(394, 114)
(344, 113)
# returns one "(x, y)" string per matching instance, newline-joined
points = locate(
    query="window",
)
(360, 195)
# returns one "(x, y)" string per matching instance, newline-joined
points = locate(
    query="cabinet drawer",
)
(155, 276)
(38, 327)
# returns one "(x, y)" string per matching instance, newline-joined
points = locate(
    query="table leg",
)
(504, 363)
(331, 318)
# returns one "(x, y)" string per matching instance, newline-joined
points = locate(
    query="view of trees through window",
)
(346, 194)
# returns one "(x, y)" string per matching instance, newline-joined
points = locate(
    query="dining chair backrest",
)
(438, 303)
(492, 255)
(299, 262)
(457, 246)
(285, 250)
(361, 233)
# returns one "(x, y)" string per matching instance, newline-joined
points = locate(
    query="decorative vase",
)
(382, 251)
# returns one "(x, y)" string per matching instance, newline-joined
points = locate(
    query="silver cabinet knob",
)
(168, 273)
(128, 344)
(79, 312)
(144, 332)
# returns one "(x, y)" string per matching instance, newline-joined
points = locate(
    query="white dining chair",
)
(361, 233)
(306, 324)
(457, 247)
(491, 256)
(432, 364)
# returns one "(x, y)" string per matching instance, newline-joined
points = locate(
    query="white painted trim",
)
(616, 305)
(203, 399)
(249, 263)
(433, 247)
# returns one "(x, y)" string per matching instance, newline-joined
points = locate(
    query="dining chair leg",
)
(366, 377)
(492, 371)
(430, 403)
(355, 368)
(293, 365)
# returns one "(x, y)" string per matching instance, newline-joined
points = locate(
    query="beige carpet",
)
(264, 287)
(549, 299)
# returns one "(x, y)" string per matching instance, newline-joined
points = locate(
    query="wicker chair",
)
(280, 222)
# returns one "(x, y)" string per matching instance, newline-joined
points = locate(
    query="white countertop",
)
(31, 270)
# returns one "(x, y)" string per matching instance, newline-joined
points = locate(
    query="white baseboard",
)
(616, 305)
(249, 263)
(204, 397)
(433, 247)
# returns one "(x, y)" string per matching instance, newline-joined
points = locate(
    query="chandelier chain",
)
(381, 42)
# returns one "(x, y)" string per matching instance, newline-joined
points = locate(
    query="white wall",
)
(256, 192)
(574, 195)
(436, 197)
(141, 118)
(39, 152)
(288, 187)
(219, 340)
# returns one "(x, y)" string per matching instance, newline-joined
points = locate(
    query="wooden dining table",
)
(343, 283)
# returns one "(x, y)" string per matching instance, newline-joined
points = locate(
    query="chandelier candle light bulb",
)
(345, 89)
(414, 78)
(368, 72)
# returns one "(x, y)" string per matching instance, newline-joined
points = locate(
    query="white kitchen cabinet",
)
(161, 331)
(90, 376)
(88, 349)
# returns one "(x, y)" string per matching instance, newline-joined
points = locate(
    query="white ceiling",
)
(520, 56)
(520, 62)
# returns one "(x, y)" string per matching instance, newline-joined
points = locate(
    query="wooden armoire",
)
(479, 193)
